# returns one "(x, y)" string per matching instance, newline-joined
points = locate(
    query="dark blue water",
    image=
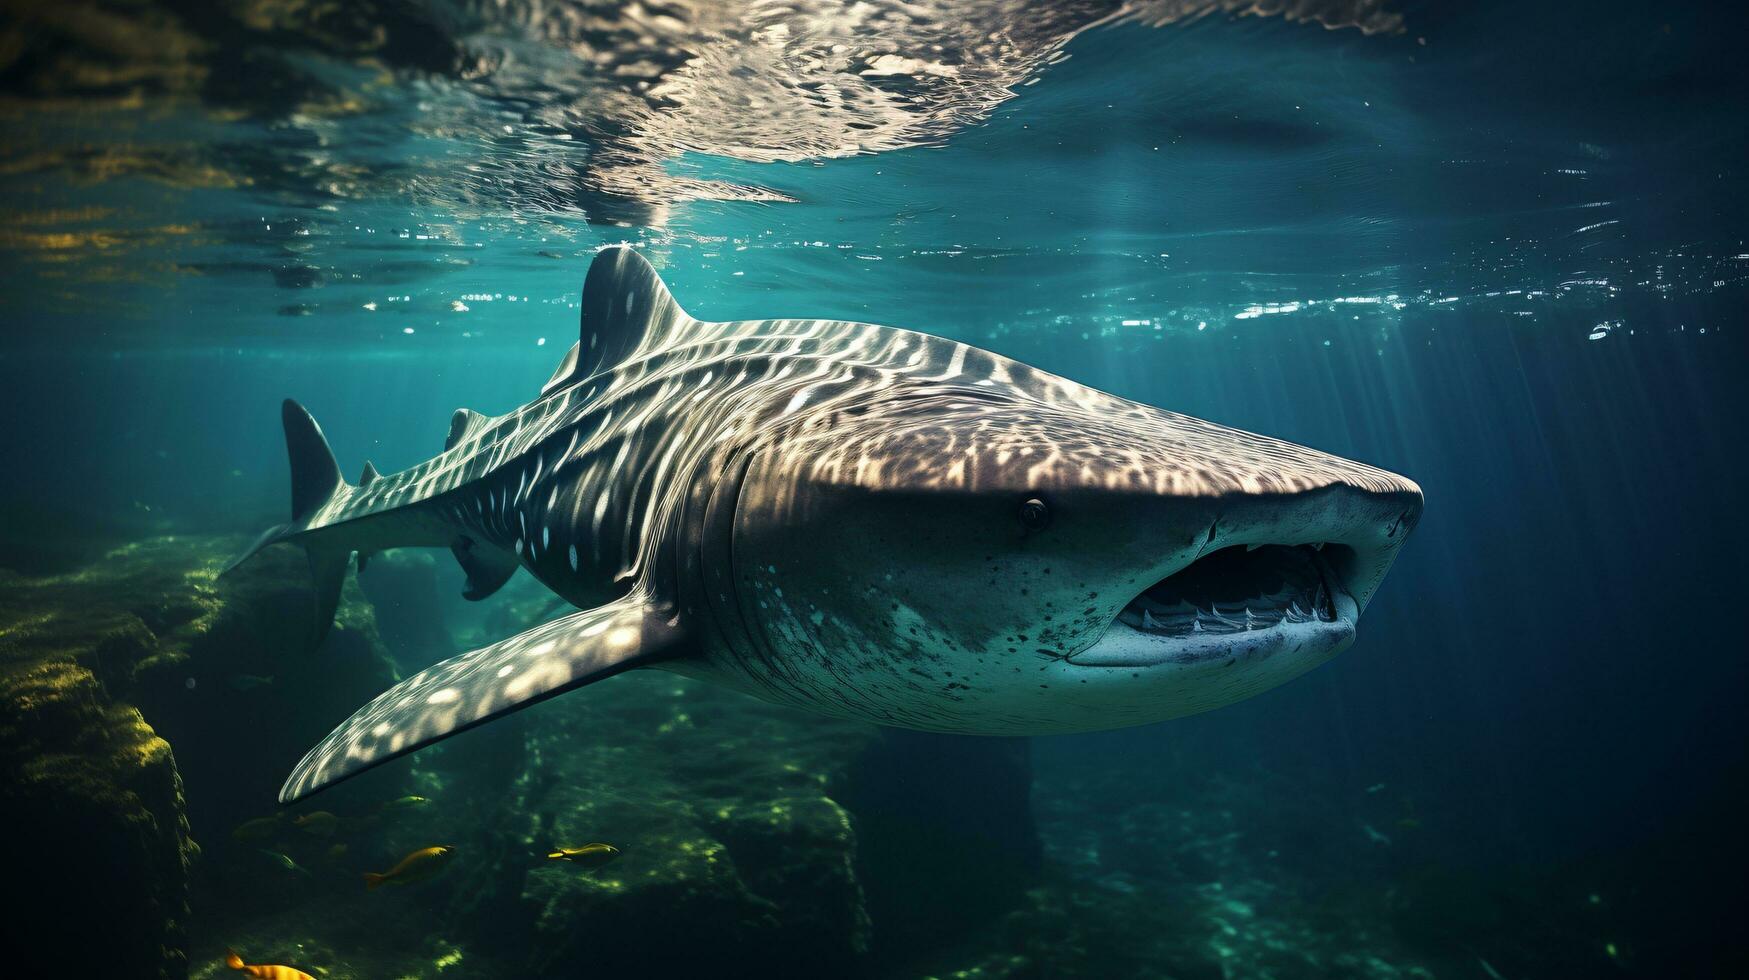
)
(1497, 247)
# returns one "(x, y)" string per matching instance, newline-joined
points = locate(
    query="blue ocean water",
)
(1497, 247)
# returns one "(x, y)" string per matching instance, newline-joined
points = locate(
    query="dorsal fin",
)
(464, 423)
(370, 474)
(625, 308)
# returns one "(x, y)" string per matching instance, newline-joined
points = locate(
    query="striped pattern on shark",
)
(857, 519)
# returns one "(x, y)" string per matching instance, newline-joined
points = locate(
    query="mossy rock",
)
(720, 805)
(98, 831)
(96, 847)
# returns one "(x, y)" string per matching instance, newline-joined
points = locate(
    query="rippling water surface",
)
(1499, 247)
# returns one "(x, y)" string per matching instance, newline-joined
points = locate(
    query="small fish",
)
(248, 682)
(285, 861)
(261, 828)
(405, 803)
(1373, 835)
(321, 823)
(589, 855)
(265, 971)
(417, 866)
(336, 852)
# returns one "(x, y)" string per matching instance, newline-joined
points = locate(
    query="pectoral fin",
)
(476, 687)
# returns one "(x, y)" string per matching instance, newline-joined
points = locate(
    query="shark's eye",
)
(1034, 515)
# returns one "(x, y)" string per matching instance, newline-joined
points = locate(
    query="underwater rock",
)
(97, 840)
(241, 693)
(109, 666)
(723, 810)
(241, 689)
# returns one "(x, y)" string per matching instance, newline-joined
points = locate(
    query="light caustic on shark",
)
(861, 520)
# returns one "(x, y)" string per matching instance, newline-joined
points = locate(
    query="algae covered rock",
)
(243, 690)
(735, 857)
(96, 845)
(96, 664)
(774, 892)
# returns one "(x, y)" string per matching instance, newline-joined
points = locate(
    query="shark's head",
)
(1048, 557)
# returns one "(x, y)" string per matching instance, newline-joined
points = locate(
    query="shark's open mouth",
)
(1237, 589)
(1239, 599)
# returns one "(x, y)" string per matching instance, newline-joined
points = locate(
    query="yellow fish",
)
(417, 866)
(321, 823)
(265, 971)
(260, 828)
(336, 852)
(589, 855)
(405, 803)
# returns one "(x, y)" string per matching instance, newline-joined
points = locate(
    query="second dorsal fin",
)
(464, 423)
(563, 375)
(370, 474)
(626, 308)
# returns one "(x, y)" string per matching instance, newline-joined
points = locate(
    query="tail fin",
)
(234, 961)
(372, 880)
(315, 479)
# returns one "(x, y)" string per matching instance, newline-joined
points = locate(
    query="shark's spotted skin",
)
(825, 513)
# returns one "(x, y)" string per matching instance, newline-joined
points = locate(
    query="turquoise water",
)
(1498, 248)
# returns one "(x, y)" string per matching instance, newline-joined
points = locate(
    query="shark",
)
(858, 520)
